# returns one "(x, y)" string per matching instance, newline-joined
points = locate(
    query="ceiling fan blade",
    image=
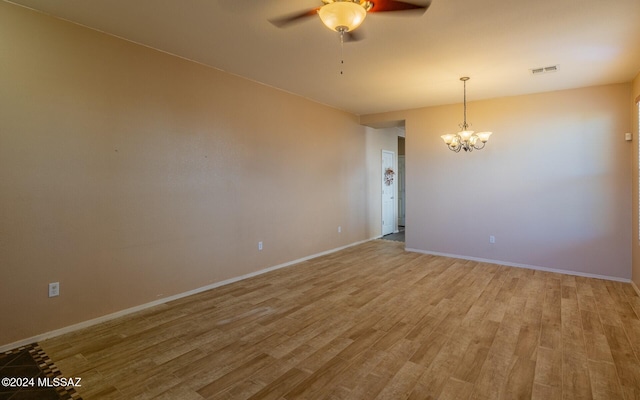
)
(395, 5)
(354, 36)
(283, 22)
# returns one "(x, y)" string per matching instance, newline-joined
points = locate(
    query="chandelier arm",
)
(479, 146)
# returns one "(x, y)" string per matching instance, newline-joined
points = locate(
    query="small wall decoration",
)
(388, 176)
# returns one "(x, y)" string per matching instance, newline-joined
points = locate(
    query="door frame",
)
(402, 191)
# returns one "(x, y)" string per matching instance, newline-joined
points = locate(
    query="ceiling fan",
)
(343, 16)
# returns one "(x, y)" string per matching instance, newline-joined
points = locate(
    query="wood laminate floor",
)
(371, 322)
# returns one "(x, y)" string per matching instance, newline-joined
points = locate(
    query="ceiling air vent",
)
(544, 70)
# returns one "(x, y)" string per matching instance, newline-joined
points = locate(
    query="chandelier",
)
(465, 139)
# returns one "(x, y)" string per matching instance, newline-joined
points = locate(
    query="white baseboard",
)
(526, 266)
(108, 317)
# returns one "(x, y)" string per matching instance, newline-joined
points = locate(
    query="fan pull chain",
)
(342, 52)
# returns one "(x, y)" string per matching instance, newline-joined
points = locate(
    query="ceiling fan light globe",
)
(342, 15)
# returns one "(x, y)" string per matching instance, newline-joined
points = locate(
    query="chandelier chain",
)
(464, 124)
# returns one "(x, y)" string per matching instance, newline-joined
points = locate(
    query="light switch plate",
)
(54, 289)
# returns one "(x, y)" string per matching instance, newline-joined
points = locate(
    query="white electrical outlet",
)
(339, 229)
(492, 239)
(259, 245)
(54, 289)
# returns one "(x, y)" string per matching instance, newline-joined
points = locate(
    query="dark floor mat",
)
(28, 373)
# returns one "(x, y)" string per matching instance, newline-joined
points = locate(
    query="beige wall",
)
(553, 185)
(129, 175)
(634, 169)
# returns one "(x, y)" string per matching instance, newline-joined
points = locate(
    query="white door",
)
(389, 176)
(401, 203)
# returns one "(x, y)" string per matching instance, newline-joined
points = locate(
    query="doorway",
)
(398, 234)
(401, 193)
(402, 206)
(389, 177)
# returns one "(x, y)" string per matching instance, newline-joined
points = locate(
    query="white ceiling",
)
(404, 62)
